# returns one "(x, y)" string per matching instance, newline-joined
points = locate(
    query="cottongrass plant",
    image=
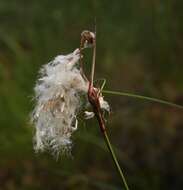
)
(61, 93)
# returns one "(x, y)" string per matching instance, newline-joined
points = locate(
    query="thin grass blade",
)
(151, 99)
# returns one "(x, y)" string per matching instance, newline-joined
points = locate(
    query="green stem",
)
(115, 159)
(143, 98)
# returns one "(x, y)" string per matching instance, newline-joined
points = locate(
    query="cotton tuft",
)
(58, 94)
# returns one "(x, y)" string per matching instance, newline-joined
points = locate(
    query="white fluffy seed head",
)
(58, 100)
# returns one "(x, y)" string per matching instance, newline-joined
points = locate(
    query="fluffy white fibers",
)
(58, 99)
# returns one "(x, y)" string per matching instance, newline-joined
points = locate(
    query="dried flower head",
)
(87, 39)
(58, 92)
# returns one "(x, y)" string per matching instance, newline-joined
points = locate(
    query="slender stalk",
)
(93, 98)
(115, 159)
(93, 61)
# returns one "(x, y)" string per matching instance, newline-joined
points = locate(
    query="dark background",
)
(139, 50)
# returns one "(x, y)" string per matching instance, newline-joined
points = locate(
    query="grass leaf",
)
(151, 99)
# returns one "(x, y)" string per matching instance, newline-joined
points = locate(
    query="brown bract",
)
(87, 39)
(93, 97)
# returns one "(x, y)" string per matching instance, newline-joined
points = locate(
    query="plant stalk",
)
(93, 61)
(107, 141)
(93, 98)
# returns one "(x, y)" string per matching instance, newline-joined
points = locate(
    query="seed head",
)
(58, 99)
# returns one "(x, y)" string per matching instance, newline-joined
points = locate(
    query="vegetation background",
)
(139, 50)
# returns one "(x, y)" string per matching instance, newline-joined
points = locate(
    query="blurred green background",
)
(139, 50)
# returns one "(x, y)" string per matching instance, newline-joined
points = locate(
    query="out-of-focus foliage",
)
(139, 49)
